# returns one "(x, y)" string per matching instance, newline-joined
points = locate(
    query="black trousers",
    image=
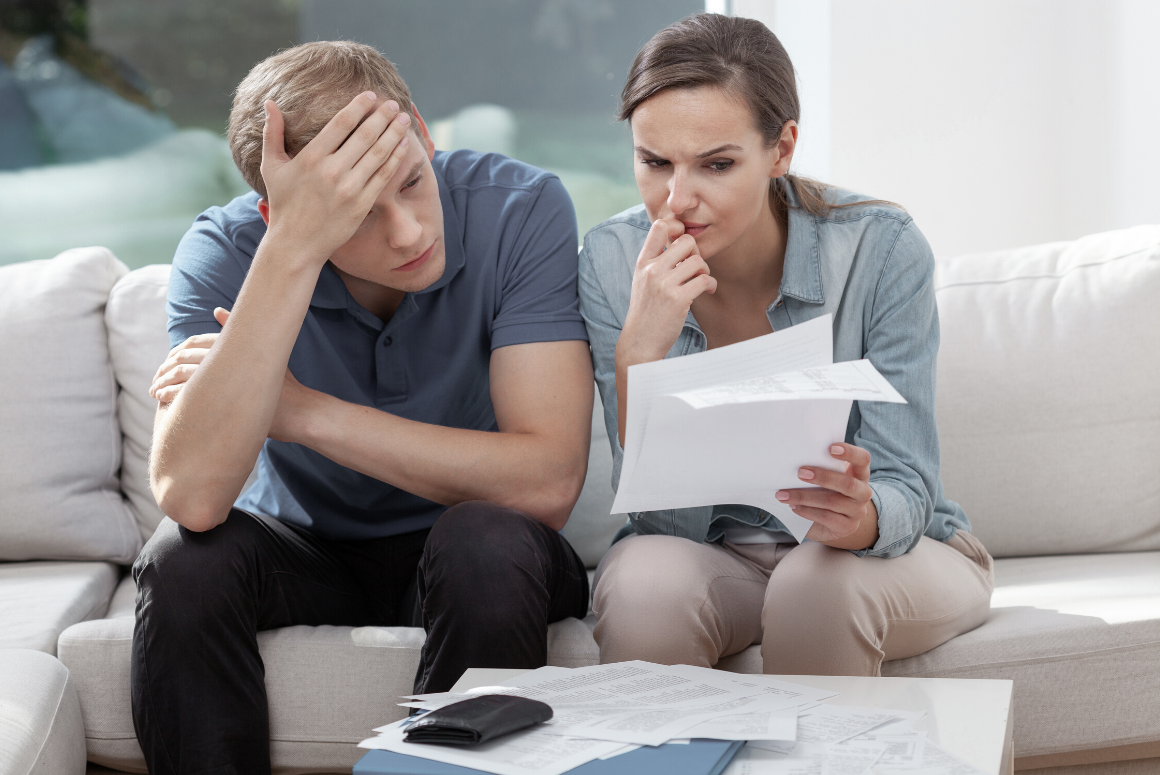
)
(484, 582)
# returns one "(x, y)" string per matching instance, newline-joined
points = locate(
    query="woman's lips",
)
(695, 229)
(411, 266)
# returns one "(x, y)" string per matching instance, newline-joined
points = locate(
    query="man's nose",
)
(404, 231)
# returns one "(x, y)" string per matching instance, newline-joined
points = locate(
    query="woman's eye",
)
(654, 163)
(720, 165)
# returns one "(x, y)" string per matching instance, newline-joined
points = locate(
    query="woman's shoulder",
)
(846, 205)
(617, 241)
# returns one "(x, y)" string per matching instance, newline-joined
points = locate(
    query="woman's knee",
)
(817, 618)
(650, 603)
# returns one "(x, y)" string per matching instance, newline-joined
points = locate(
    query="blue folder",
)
(699, 757)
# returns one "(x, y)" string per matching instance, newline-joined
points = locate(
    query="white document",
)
(935, 761)
(734, 424)
(904, 751)
(788, 695)
(527, 752)
(837, 723)
(752, 725)
(853, 758)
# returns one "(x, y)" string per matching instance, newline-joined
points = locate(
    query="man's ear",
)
(785, 148)
(424, 135)
(264, 209)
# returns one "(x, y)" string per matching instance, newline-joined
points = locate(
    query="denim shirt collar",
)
(801, 274)
(330, 292)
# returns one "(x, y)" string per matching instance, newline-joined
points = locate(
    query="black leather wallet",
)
(477, 720)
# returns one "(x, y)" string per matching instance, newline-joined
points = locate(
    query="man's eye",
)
(414, 182)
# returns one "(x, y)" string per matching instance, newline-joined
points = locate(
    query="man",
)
(422, 302)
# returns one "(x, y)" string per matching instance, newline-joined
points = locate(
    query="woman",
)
(728, 246)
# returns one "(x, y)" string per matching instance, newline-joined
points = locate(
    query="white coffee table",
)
(970, 718)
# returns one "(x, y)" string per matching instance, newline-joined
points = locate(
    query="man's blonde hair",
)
(309, 84)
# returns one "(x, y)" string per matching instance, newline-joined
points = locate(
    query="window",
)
(113, 112)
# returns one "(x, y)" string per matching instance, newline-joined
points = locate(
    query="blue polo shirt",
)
(510, 236)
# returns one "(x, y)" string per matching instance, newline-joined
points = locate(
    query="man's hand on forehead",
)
(318, 198)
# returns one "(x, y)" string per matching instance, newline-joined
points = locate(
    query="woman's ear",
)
(424, 135)
(784, 149)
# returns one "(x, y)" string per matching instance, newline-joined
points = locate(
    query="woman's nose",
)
(680, 193)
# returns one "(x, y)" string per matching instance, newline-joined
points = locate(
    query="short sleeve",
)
(208, 272)
(538, 296)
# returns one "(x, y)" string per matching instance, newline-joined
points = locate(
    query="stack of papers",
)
(606, 711)
(751, 414)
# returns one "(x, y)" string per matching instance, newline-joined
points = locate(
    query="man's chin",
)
(419, 279)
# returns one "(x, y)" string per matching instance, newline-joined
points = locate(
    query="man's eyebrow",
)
(715, 151)
(414, 171)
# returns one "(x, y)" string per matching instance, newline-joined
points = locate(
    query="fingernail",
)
(836, 449)
(404, 119)
(393, 105)
(805, 473)
(404, 141)
(782, 496)
(370, 95)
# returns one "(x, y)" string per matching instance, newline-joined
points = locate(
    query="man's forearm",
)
(206, 442)
(530, 472)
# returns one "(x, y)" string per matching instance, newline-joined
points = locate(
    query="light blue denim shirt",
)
(871, 268)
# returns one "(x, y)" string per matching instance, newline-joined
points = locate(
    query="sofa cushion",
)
(328, 687)
(40, 719)
(40, 600)
(60, 497)
(1047, 407)
(1079, 636)
(591, 526)
(138, 343)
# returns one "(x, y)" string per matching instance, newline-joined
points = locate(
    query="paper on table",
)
(935, 761)
(749, 435)
(753, 725)
(653, 726)
(903, 750)
(791, 695)
(627, 685)
(853, 758)
(836, 723)
(803, 346)
(527, 752)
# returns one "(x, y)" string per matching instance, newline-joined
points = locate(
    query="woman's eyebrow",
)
(645, 151)
(715, 151)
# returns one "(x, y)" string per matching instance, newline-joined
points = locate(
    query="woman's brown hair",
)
(739, 55)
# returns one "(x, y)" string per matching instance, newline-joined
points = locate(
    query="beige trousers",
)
(814, 610)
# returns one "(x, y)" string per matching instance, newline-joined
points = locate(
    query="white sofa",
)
(1047, 410)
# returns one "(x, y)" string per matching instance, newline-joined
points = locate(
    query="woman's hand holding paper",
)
(841, 508)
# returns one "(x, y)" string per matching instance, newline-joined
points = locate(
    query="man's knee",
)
(476, 537)
(188, 567)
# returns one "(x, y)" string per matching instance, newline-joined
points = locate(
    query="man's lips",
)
(411, 266)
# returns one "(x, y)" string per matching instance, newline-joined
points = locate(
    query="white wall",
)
(994, 122)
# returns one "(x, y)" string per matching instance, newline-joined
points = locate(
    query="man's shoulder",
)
(473, 171)
(233, 229)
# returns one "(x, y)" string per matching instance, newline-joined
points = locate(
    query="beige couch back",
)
(1047, 399)
(1049, 393)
